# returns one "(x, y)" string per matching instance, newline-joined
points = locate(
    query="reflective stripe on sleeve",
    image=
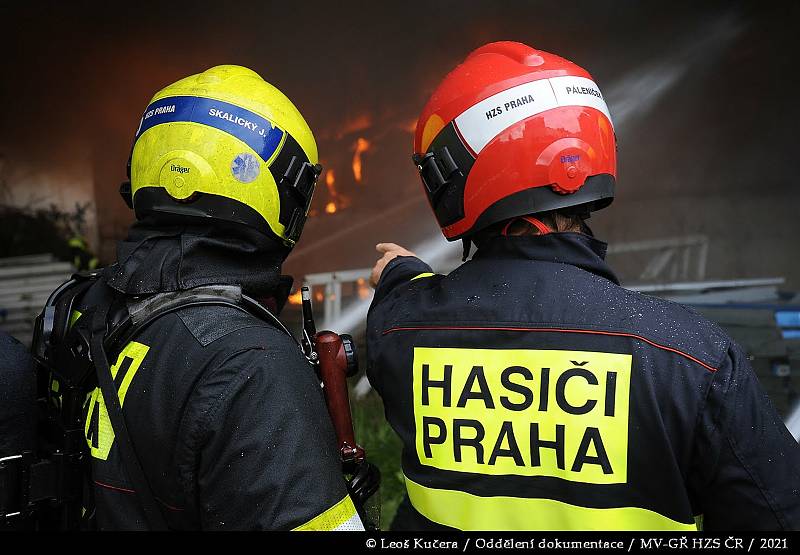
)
(74, 317)
(339, 518)
(423, 275)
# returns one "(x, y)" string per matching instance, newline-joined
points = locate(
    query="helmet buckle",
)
(125, 193)
(302, 186)
(435, 171)
(304, 180)
(295, 226)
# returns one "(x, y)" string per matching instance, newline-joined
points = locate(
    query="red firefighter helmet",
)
(514, 131)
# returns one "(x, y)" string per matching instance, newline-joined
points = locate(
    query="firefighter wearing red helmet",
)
(530, 390)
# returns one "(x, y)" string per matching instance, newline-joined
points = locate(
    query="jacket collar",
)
(575, 249)
(167, 258)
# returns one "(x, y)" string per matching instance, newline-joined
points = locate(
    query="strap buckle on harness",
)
(13, 486)
(26, 481)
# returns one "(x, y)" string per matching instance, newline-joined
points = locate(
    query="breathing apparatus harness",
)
(45, 489)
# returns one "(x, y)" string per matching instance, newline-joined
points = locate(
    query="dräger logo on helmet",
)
(523, 412)
(179, 169)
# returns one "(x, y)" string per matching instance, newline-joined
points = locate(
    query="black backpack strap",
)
(153, 515)
(143, 315)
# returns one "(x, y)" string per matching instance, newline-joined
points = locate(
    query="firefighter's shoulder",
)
(227, 327)
(672, 327)
(241, 354)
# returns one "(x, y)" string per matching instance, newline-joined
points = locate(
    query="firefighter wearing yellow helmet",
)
(221, 423)
(227, 145)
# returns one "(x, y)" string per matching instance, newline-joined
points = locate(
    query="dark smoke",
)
(713, 156)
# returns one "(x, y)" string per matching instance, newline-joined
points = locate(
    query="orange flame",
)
(330, 183)
(296, 298)
(363, 289)
(354, 125)
(362, 146)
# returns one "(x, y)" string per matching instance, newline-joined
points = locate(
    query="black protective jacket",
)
(531, 391)
(225, 413)
(17, 397)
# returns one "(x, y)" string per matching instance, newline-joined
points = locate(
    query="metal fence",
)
(25, 284)
(674, 264)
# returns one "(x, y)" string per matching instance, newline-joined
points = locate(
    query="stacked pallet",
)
(25, 284)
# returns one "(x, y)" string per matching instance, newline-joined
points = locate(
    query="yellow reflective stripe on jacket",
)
(466, 511)
(97, 427)
(423, 275)
(340, 517)
(74, 317)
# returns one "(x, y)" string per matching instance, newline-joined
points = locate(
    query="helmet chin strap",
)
(535, 222)
(467, 242)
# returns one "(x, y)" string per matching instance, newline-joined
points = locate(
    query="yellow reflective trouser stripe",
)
(423, 275)
(331, 519)
(472, 512)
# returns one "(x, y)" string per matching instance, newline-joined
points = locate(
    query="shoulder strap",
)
(153, 515)
(146, 314)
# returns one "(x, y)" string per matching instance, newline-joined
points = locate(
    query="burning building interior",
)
(707, 210)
